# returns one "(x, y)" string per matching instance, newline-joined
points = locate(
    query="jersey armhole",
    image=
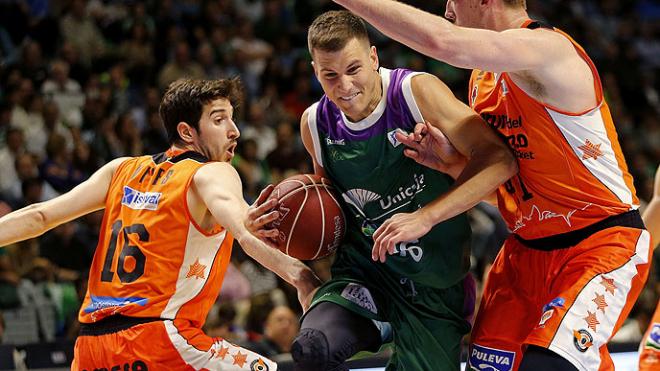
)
(116, 173)
(314, 132)
(406, 89)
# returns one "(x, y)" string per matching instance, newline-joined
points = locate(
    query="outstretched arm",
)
(219, 187)
(36, 219)
(489, 164)
(462, 47)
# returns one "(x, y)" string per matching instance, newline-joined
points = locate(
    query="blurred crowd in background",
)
(81, 81)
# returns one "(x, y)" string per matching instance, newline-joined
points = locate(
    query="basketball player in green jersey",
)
(419, 292)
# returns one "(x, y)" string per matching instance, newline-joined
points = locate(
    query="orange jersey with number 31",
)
(152, 259)
(572, 170)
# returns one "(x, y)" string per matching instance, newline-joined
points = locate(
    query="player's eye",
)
(353, 70)
(330, 76)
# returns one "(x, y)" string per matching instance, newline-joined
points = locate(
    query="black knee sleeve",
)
(310, 350)
(541, 359)
(329, 335)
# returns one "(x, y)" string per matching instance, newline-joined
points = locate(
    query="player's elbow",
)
(38, 217)
(35, 219)
(508, 162)
(505, 160)
(444, 47)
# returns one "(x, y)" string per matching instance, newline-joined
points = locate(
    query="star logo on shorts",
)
(222, 353)
(590, 150)
(240, 359)
(592, 321)
(196, 270)
(609, 285)
(600, 302)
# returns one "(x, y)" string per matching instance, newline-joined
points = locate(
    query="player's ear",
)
(373, 57)
(186, 132)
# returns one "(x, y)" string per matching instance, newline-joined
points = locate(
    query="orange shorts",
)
(569, 300)
(163, 345)
(649, 348)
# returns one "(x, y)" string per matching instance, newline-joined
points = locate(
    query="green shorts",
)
(428, 323)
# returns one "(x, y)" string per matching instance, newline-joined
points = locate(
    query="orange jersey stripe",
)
(572, 170)
(152, 260)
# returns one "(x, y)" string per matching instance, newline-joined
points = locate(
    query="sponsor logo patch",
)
(391, 136)
(137, 200)
(491, 359)
(335, 142)
(258, 365)
(549, 310)
(555, 303)
(582, 340)
(545, 317)
(361, 296)
(102, 302)
(653, 340)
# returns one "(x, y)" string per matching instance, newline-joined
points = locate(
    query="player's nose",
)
(234, 132)
(345, 84)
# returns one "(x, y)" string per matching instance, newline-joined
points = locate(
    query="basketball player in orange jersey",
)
(649, 349)
(578, 256)
(170, 220)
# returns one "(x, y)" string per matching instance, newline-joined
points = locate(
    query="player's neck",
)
(177, 149)
(506, 19)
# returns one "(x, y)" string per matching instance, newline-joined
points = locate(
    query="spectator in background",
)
(32, 63)
(58, 169)
(287, 155)
(257, 129)
(2, 327)
(222, 325)
(15, 146)
(280, 328)
(206, 60)
(154, 137)
(129, 136)
(252, 54)
(65, 92)
(78, 28)
(77, 70)
(9, 280)
(26, 167)
(54, 125)
(182, 66)
(253, 171)
(25, 114)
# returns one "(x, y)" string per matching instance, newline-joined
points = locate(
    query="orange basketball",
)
(311, 222)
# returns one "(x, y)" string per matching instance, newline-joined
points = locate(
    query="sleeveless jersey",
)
(572, 170)
(152, 259)
(366, 164)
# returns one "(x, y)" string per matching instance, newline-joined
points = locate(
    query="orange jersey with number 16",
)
(152, 259)
(572, 170)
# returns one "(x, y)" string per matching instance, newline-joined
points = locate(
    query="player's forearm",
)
(482, 175)
(425, 32)
(289, 269)
(23, 224)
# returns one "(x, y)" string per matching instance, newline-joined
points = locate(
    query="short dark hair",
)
(184, 101)
(332, 30)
